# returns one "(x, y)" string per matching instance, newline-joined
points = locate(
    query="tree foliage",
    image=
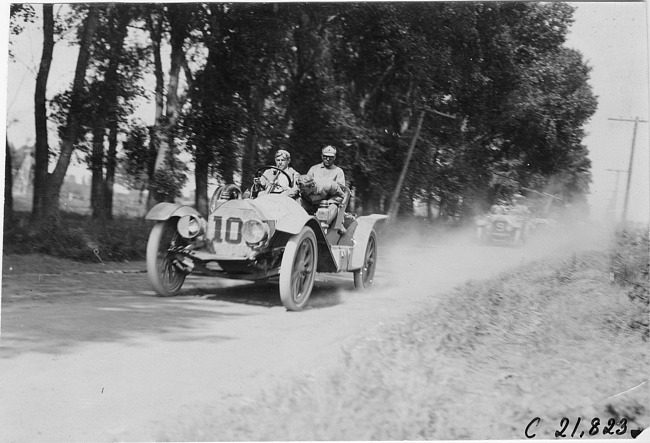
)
(505, 101)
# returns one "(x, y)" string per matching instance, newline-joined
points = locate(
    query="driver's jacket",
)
(271, 176)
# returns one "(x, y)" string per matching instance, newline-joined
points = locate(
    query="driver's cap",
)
(282, 154)
(329, 150)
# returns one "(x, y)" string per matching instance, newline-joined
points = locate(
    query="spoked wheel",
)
(364, 277)
(298, 270)
(165, 277)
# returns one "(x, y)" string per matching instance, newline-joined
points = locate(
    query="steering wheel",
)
(273, 185)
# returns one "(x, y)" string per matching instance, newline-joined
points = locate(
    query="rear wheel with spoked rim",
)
(364, 277)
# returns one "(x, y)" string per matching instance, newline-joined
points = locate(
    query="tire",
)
(165, 278)
(364, 277)
(298, 269)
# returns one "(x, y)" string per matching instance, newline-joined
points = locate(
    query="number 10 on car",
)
(230, 231)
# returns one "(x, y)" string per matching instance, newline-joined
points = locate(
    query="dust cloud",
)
(417, 258)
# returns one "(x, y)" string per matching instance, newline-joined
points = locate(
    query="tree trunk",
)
(51, 204)
(112, 108)
(111, 162)
(154, 22)
(201, 167)
(9, 201)
(249, 160)
(164, 132)
(305, 93)
(97, 168)
(42, 149)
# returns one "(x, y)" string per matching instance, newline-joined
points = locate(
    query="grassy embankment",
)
(551, 339)
(77, 237)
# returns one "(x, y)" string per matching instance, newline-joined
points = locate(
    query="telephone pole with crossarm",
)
(636, 122)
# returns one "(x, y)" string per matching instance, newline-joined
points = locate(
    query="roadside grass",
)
(78, 236)
(550, 339)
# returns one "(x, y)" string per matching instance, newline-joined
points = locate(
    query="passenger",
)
(313, 194)
(325, 172)
(269, 179)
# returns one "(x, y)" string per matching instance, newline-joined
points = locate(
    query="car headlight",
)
(255, 231)
(189, 226)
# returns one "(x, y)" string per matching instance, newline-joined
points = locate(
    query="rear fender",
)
(165, 211)
(361, 236)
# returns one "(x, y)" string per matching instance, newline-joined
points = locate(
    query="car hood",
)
(275, 207)
(285, 212)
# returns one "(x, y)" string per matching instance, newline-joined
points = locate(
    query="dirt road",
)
(98, 357)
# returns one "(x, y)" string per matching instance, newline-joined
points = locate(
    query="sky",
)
(611, 36)
(613, 40)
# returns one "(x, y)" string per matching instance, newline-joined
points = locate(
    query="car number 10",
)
(230, 231)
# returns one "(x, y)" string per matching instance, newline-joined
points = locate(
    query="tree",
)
(19, 13)
(246, 79)
(47, 186)
(9, 199)
(167, 179)
(42, 149)
(116, 69)
(232, 98)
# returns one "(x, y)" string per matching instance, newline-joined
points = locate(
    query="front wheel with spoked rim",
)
(364, 277)
(165, 277)
(298, 269)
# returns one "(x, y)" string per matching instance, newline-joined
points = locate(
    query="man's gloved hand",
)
(258, 182)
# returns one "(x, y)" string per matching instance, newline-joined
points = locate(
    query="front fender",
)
(365, 225)
(292, 223)
(165, 211)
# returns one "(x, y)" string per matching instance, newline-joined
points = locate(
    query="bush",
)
(630, 268)
(78, 237)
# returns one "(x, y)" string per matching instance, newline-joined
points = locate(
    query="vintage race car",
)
(503, 227)
(258, 238)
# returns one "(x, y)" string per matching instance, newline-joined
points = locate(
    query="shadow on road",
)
(266, 293)
(55, 314)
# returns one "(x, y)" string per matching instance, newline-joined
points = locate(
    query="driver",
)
(313, 194)
(271, 180)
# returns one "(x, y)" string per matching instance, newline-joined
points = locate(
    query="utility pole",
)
(629, 169)
(613, 201)
(394, 201)
(394, 205)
